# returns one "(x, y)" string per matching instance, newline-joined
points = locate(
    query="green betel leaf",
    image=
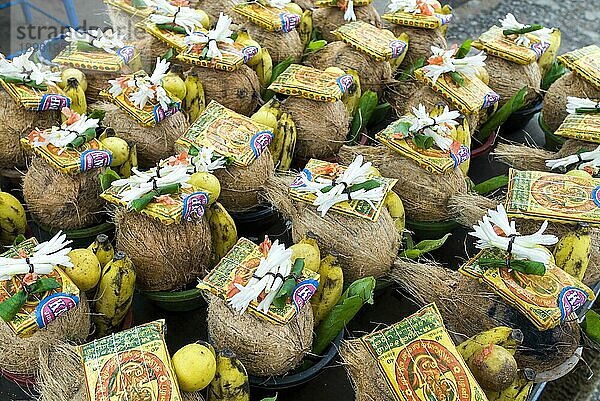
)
(516, 102)
(523, 266)
(315, 45)
(491, 185)
(141, 203)
(410, 71)
(423, 141)
(270, 398)
(591, 325)
(464, 49)
(107, 178)
(423, 247)
(97, 113)
(366, 106)
(168, 54)
(31, 84)
(171, 28)
(457, 78)
(285, 292)
(10, 307)
(556, 71)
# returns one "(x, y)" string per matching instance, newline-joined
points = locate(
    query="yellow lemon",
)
(195, 367)
(206, 182)
(86, 269)
(119, 149)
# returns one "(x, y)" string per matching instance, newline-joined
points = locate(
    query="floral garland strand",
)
(22, 70)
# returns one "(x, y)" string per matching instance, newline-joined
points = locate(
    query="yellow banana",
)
(77, 95)
(351, 99)
(273, 106)
(264, 69)
(73, 73)
(289, 142)
(231, 379)
(264, 117)
(395, 62)
(305, 27)
(246, 40)
(394, 205)
(572, 252)
(307, 249)
(545, 61)
(125, 169)
(194, 102)
(276, 145)
(506, 337)
(174, 85)
(12, 218)
(223, 230)
(103, 249)
(462, 134)
(114, 294)
(518, 391)
(331, 285)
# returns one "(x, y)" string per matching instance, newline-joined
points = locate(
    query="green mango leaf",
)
(366, 106)
(408, 240)
(315, 45)
(464, 49)
(423, 247)
(410, 71)
(107, 178)
(18, 239)
(516, 102)
(403, 128)
(281, 67)
(168, 54)
(523, 266)
(422, 141)
(355, 296)
(591, 325)
(491, 185)
(97, 113)
(556, 71)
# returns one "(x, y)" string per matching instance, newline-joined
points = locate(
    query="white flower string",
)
(510, 23)
(147, 88)
(205, 161)
(496, 231)
(268, 277)
(75, 126)
(339, 188)
(221, 33)
(22, 69)
(45, 257)
(185, 17)
(443, 61)
(108, 41)
(424, 7)
(349, 14)
(588, 160)
(575, 105)
(438, 128)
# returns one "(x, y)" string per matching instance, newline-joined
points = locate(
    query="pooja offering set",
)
(142, 148)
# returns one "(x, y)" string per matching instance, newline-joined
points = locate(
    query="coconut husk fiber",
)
(469, 209)
(469, 307)
(237, 90)
(328, 19)
(63, 201)
(374, 75)
(153, 143)
(280, 45)
(305, 4)
(554, 111)
(364, 248)
(98, 81)
(61, 376)
(166, 257)
(420, 41)
(124, 23)
(241, 188)
(16, 123)
(321, 127)
(265, 349)
(507, 78)
(20, 355)
(214, 7)
(424, 195)
(149, 48)
(524, 157)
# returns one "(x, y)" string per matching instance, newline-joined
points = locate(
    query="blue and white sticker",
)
(194, 206)
(94, 158)
(51, 307)
(303, 292)
(569, 300)
(260, 142)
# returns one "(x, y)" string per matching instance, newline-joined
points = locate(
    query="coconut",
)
(215, 7)
(124, 23)
(280, 45)
(328, 19)
(305, 4)
(64, 201)
(149, 48)
(365, 248)
(554, 111)
(166, 257)
(265, 349)
(16, 123)
(469, 307)
(241, 187)
(420, 42)
(507, 78)
(374, 75)
(20, 355)
(424, 195)
(237, 90)
(321, 127)
(153, 143)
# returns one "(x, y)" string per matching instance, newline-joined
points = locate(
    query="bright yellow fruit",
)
(204, 18)
(293, 8)
(12, 218)
(86, 269)
(335, 70)
(206, 182)
(266, 118)
(195, 366)
(119, 149)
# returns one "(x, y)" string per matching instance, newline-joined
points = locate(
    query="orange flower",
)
(21, 254)
(425, 8)
(36, 136)
(436, 60)
(180, 3)
(166, 200)
(30, 278)
(265, 246)
(331, 169)
(180, 159)
(122, 81)
(342, 4)
(72, 117)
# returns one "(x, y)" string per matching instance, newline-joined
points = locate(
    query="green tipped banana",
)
(572, 252)
(503, 336)
(231, 379)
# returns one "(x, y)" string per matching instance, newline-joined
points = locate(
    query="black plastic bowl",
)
(299, 377)
(520, 118)
(431, 229)
(185, 300)
(81, 238)
(263, 220)
(553, 142)
(50, 48)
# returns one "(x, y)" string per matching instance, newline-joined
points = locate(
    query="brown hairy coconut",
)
(424, 195)
(328, 19)
(374, 75)
(420, 41)
(507, 78)
(322, 127)
(237, 90)
(241, 187)
(469, 307)
(149, 48)
(16, 123)
(165, 256)
(153, 143)
(305, 4)
(123, 22)
(365, 248)
(555, 101)
(59, 200)
(280, 45)
(215, 7)
(21, 355)
(265, 349)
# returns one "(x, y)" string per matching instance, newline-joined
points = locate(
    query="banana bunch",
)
(114, 294)
(395, 207)
(305, 27)
(331, 286)
(284, 130)
(12, 218)
(395, 62)
(572, 252)
(223, 231)
(74, 90)
(351, 99)
(194, 102)
(72, 73)
(103, 249)
(243, 38)
(264, 69)
(174, 85)
(518, 390)
(231, 379)
(131, 162)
